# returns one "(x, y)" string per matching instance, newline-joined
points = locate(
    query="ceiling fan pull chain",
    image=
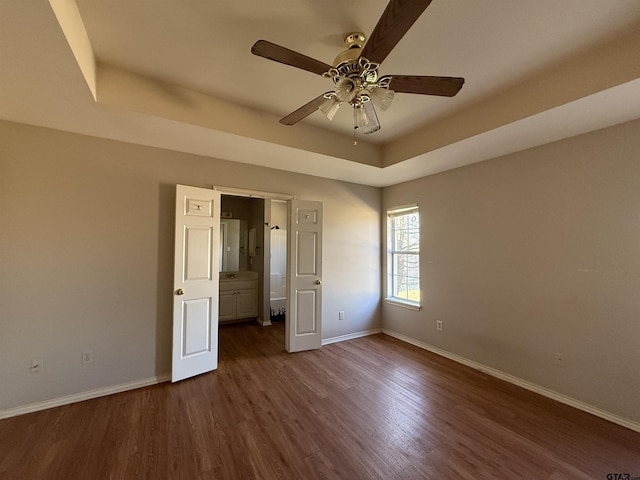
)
(355, 127)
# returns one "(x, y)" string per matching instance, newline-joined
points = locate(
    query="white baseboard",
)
(101, 392)
(624, 422)
(79, 397)
(351, 336)
(264, 323)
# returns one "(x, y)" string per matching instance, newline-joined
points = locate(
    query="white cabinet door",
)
(304, 311)
(195, 294)
(246, 303)
(227, 306)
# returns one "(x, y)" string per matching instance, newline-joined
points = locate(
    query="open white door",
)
(304, 302)
(196, 278)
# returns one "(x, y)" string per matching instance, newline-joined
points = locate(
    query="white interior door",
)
(304, 302)
(195, 294)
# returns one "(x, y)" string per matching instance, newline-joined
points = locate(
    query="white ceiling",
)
(200, 50)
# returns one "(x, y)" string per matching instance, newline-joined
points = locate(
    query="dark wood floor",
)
(370, 408)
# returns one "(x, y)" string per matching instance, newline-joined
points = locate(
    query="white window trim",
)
(391, 300)
(408, 304)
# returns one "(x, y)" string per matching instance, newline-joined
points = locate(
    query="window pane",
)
(406, 229)
(404, 252)
(406, 276)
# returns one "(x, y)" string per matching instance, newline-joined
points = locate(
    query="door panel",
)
(196, 320)
(195, 298)
(305, 322)
(306, 258)
(198, 253)
(304, 309)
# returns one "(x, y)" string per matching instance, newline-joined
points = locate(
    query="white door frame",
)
(302, 342)
(266, 264)
(240, 192)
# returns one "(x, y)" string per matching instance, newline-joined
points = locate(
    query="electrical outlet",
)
(36, 365)
(341, 315)
(439, 325)
(87, 357)
(558, 359)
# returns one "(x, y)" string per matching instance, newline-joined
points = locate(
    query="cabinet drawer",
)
(227, 285)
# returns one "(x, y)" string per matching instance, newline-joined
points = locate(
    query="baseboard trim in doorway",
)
(263, 323)
(79, 397)
(351, 336)
(585, 407)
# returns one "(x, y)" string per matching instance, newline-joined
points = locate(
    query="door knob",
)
(179, 291)
(318, 282)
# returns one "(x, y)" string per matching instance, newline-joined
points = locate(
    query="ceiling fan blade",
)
(425, 85)
(396, 19)
(269, 50)
(304, 111)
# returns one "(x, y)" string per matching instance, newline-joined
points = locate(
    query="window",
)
(403, 256)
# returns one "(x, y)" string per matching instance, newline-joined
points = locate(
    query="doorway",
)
(199, 302)
(278, 261)
(253, 245)
(303, 316)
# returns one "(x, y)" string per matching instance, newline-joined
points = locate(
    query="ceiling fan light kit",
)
(355, 70)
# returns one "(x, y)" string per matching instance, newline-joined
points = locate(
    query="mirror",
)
(233, 245)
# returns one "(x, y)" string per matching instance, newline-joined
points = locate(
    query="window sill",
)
(401, 303)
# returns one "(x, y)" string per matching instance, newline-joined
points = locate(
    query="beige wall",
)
(523, 256)
(86, 257)
(535, 253)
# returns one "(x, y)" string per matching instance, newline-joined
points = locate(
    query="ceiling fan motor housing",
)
(348, 63)
(354, 42)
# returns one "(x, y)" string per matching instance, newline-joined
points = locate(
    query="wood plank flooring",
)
(369, 408)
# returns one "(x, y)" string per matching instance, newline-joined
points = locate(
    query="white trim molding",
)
(351, 336)
(585, 407)
(400, 303)
(102, 392)
(263, 323)
(243, 192)
(79, 397)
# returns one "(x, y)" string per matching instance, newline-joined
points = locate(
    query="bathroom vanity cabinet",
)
(238, 296)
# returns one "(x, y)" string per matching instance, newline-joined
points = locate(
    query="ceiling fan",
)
(355, 70)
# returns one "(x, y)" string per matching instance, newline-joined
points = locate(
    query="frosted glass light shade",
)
(365, 117)
(382, 97)
(360, 119)
(329, 107)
